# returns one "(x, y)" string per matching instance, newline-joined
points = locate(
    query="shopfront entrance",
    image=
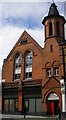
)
(52, 104)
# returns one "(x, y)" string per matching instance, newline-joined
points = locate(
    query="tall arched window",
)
(50, 28)
(28, 65)
(57, 28)
(17, 70)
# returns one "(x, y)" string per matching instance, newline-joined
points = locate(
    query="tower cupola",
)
(54, 23)
(53, 10)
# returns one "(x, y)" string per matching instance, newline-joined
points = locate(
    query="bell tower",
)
(54, 24)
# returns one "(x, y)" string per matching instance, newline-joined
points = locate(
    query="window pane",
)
(27, 104)
(11, 106)
(57, 28)
(18, 58)
(31, 105)
(26, 75)
(30, 74)
(56, 71)
(38, 105)
(50, 28)
(17, 76)
(48, 72)
(29, 69)
(16, 104)
(28, 65)
(17, 65)
(17, 70)
(6, 103)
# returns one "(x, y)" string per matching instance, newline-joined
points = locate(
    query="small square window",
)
(17, 76)
(28, 75)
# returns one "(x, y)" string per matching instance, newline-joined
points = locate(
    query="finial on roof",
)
(53, 10)
(53, 1)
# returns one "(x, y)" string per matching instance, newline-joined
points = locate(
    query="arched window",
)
(53, 96)
(56, 68)
(48, 72)
(56, 71)
(28, 65)
(57, 28)
(48, 69)
(50, 28)
(17, 70)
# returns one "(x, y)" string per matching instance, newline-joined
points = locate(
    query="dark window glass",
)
(30, 74)
(26, 75)
(48, 72)
(23, 42)
(50, 28)
(51, 48)
(17, 76)
(57, 28)
(56, 71)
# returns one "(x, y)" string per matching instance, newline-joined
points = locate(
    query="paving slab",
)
(28, 117)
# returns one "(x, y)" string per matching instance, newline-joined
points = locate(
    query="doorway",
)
(33, 105)
(52, 104)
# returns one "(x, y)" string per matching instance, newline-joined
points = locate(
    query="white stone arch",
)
(52, 96)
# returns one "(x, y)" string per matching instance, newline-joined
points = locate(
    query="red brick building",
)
(32, 74)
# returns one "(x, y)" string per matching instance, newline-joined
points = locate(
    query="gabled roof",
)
(51, 83)
(20, 39)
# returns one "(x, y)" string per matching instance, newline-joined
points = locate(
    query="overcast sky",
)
(19, 15)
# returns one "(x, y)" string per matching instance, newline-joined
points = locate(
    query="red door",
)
(52, 107)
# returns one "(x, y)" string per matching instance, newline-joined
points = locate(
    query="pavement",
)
(28, 117)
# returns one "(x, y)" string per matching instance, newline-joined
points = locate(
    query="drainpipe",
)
(63, 94)
(2, 81)
(64, 70)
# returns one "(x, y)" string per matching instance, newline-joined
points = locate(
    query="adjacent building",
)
(33, 74)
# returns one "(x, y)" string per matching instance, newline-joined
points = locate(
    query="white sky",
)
(19, 15)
